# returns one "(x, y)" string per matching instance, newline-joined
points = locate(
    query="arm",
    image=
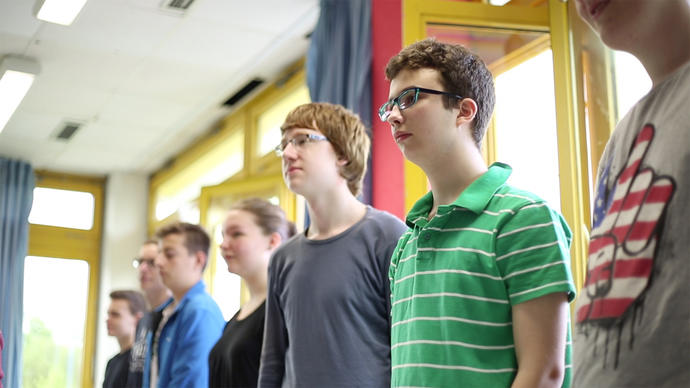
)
(272, 367)
(539, 329)
(533, 256)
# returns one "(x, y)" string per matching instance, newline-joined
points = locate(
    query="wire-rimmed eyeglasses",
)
(298, 141)
(139, 261)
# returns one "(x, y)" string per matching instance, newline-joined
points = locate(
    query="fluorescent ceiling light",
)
(59, 11)
(16, 76)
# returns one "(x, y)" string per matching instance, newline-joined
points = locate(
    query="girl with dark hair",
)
(252, 230)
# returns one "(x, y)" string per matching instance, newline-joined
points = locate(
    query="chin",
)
(233, 270)
(411, 156)
(296, 189)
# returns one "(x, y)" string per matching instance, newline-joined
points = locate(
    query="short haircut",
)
(462, 73)
(195, 237)
(269, 217)
(344, 130)
(150, 241)
(135, 299)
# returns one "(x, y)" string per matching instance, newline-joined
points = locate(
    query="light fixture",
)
(59, 11)
(16, 76)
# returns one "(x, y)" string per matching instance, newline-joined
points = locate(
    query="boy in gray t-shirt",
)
(328, 303)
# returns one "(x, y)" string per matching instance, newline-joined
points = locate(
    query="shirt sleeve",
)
(272, 367)
(533, 254)
(395, 258)
(397, 229)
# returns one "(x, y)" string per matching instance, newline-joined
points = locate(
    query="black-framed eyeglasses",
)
(139, 261)
(299, 141)
(406, 99)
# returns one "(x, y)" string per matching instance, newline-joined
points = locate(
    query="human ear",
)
(467, 110)
(201, 259)
(275, 240)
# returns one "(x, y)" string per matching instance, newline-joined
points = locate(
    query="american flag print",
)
(627, 223)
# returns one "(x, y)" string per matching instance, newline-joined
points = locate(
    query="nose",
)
(144, 263)
(158, 261)
(395, 116)
(224, 244)
(290, 151)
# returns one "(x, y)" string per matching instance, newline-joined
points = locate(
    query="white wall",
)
(124, 230)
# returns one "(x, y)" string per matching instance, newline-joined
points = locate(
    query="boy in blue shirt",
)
(191, 320)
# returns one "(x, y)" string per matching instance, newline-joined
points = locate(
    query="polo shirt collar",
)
(475, 197)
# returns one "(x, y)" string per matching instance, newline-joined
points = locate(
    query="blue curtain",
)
(339, 62)
(16, 196)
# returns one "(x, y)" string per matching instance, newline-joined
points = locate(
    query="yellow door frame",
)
(52, 241)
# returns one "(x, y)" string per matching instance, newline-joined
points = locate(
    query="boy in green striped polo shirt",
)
(480, 284)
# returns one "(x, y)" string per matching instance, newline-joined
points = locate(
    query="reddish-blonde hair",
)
(344, 130)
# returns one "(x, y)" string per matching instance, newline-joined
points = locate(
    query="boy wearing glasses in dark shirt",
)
(156, 295)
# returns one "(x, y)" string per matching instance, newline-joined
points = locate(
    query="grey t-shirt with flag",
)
(632, 318)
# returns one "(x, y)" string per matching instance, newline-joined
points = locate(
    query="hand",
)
(626, 229)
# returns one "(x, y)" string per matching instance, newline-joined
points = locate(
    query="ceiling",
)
(143, 80)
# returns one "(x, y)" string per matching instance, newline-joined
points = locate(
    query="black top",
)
(234, 360)
(116, 370)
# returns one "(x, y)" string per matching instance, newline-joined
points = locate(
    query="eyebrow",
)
(403, 89)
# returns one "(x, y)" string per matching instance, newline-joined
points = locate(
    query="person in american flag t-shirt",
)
(632, 319)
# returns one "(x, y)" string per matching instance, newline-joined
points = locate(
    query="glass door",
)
(61, 274)
(54, 321)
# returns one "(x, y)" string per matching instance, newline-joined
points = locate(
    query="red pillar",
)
(388, 186)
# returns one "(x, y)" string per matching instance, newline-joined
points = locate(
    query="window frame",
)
(75, 244)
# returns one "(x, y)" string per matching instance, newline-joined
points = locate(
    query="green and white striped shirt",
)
(455, 278)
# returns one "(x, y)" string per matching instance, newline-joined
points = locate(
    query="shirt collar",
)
(198, 288)
(475, 197)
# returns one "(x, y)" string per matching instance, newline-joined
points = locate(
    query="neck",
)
(157, 297)
(257, 292)
(447, 183)
(179, 293)
(662, 57)
(125, 342)
(257, 285)
(332, 213)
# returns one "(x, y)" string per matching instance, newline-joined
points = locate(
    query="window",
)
(179, 193)
(65, 208)
(268, 125)
(632, 82)
(61, 281)
(54, 320)
(529, 145)
(241, 149)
